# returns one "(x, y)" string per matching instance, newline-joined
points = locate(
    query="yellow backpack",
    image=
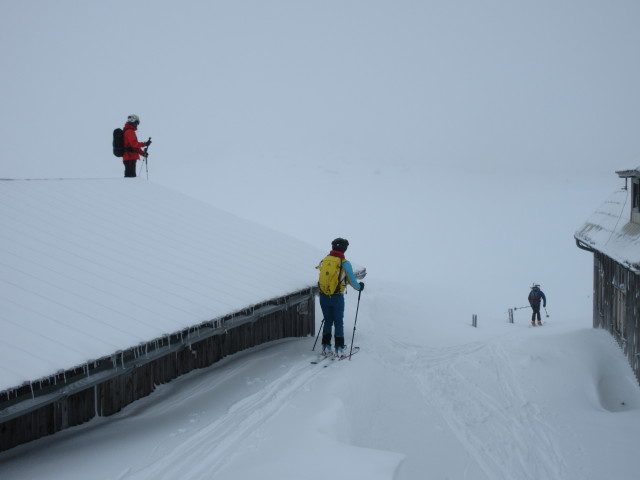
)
(331, 278)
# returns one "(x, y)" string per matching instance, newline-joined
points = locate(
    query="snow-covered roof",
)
(634, 172)
(91, 267)
(609, 231)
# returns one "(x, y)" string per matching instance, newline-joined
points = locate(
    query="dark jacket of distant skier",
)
(535, 297)
(132, 147)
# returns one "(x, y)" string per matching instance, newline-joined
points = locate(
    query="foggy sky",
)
(478, 86)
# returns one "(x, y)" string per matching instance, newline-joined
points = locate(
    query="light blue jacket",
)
(348, 270)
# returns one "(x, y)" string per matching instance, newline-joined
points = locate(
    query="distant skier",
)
(535, 297)
(335, 272)
(132, 147)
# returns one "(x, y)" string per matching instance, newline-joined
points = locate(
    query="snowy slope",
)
(90, 267)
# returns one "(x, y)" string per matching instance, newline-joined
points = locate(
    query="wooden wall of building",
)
(616, 305)
(110, 384)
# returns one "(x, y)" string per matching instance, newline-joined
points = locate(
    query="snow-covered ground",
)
(428, 396)
(457, 145)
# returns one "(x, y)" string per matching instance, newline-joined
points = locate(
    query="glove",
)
(147, 143)
(361, 286)
(145, 154)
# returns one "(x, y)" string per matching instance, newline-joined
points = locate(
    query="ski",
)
(321, 358)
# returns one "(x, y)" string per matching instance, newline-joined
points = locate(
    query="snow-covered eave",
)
(629, 173)
(592, 247)
(619, 246)
(610, 232)
(94, 371)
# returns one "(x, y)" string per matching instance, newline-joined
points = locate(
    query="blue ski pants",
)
(333, 311)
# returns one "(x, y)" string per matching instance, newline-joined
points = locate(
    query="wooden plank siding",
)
(616, 305)
(106, 386)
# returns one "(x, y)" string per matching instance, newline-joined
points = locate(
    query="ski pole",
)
(317, 336)
(354, 323)
(516, 308)
(146, 165)
(545, 311)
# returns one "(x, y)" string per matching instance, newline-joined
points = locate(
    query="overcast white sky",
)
(467, 85)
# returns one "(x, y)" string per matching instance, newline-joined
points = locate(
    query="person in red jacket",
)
(132, 147)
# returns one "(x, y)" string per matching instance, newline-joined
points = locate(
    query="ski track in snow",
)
(502, 429)
(216, 445)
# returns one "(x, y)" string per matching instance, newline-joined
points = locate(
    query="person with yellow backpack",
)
(335, 272)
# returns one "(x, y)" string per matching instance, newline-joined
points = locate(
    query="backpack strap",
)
(342, 260)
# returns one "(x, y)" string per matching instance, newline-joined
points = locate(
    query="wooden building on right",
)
(612, 234)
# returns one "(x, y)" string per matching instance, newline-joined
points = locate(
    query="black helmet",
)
(340, 244)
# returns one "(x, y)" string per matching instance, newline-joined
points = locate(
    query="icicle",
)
(95, 400)
(33, 395)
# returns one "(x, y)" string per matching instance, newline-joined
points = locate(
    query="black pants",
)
(536, 312)
(130, 168)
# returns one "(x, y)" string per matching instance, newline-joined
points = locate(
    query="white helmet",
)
(535, 285)
(133, 119)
